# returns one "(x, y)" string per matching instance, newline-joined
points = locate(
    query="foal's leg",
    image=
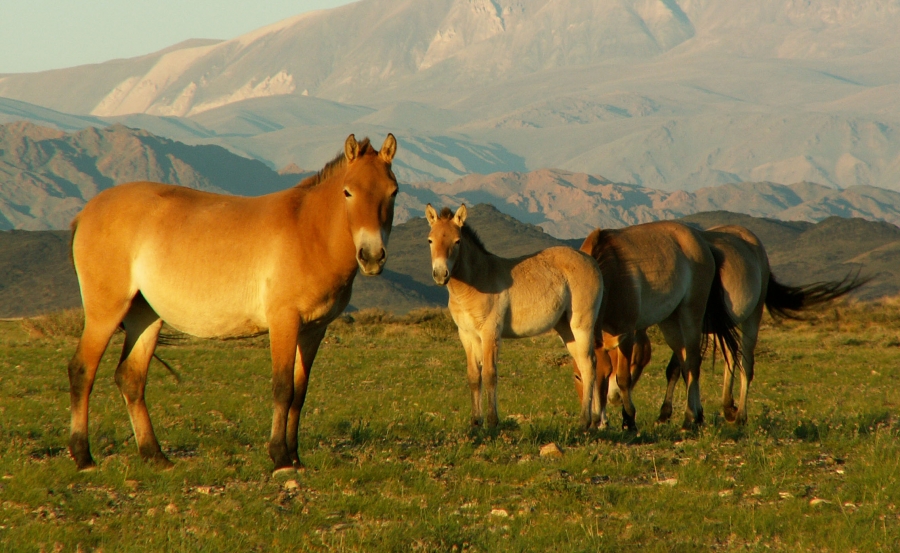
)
(307, 347)
(100, 323)
(490, 345)
(673, 372)
(472, 344)
(142, 326)
(623, 382)
(283, 334)
(579, 341)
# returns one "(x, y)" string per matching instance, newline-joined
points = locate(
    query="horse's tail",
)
(718, 322)
(787, 302)
(74, 227)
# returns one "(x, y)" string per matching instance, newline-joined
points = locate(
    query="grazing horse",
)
(748, 285)
(493, 297)
(656, 273)
(212, 265)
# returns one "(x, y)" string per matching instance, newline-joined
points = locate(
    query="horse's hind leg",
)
(579, 341)
(142, 326)
(749, 335)
(82, 371)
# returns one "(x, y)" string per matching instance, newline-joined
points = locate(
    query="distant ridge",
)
(36, 275)
(47, 175)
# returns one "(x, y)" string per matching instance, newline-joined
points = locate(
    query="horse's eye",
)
(394, 193)
(347, 193)
(430, 241)
(457, 242)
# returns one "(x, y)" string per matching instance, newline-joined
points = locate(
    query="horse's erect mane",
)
(333, 166)
(466, 230)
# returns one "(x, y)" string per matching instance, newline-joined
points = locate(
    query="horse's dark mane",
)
(466, 230)
(333, 166)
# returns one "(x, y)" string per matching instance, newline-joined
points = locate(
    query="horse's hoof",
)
(665, 413)
(161, 463)
(89, 467)
(284, 472)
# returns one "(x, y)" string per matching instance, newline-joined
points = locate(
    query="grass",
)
(391, 464)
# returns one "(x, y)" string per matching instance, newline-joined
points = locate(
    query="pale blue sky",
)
(36, 35)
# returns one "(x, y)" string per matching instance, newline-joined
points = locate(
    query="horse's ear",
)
(388, 149)
(351, 148)
(430, 214)
(460, 217)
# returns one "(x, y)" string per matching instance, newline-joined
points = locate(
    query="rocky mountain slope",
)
(46, 175)
(669, 94)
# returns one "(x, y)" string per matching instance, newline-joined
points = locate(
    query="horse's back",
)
(650, 270)
(549, 283)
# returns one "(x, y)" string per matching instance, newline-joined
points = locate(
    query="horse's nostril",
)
(382, 255)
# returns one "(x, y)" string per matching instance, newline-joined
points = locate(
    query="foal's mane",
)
(335, 165)
(466, 230)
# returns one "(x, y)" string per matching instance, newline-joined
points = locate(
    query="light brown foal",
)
(493, 297)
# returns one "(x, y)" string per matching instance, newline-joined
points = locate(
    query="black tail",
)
(718, 322)
(787, 302)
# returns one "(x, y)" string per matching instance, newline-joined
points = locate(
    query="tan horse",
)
(212, 265)
(493, 297)
(656, 273)
(749, 286)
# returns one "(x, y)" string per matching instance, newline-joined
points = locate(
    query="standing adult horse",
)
(749, 286)
(493, 297)
(656, 273)
(212, 265)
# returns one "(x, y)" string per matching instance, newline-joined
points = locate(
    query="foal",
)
(493, 297)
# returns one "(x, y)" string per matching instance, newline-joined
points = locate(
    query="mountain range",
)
(664, 94)
(46, 176)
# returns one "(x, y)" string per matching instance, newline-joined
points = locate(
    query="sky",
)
(36, 35)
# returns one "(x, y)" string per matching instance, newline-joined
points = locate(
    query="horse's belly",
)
(535, 318)
(205, 307)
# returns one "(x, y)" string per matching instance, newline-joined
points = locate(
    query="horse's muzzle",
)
(370, 264)
(440, 276)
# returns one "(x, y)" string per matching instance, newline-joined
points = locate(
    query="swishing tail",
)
(787, 302)
(718, 322)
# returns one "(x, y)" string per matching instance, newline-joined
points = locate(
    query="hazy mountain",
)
(36, 275)
(46, 176)
(570, 205)
(670, 94)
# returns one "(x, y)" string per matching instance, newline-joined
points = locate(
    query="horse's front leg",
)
(307, 347)
(283, 343)
(625, 384)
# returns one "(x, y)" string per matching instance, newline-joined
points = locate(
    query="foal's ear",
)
(388, 149)
(460, 217)
(351, 148)
(430, 214)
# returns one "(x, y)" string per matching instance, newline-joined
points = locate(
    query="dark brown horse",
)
(212, 265)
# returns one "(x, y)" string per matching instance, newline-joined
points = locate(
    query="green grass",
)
(391, 464)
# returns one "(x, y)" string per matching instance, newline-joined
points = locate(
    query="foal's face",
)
(370, 189)
(444, 241)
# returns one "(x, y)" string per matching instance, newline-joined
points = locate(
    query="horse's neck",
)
(473, 264)
(323, 215)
